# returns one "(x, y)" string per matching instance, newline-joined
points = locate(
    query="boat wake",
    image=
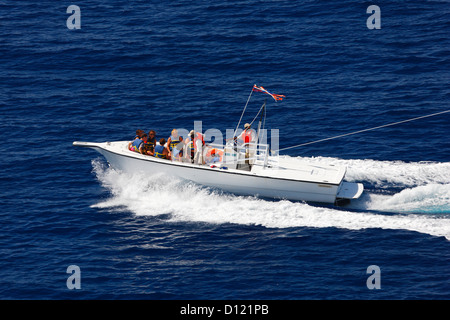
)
(389, 174)
(396, 186)
(431, 198)
(409, 196)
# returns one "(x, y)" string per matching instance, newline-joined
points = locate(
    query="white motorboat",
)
(244, 170)
(282, 178)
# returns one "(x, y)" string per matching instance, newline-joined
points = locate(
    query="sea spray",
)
(184, 201)
(431, 198)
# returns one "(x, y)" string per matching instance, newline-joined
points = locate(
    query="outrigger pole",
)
(276, 97)
(263, 116)
(243, 112)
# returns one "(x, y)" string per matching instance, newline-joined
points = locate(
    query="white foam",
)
(385, 174)
(184, 201)
(431, 198)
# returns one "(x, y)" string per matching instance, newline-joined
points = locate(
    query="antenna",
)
(263, 114)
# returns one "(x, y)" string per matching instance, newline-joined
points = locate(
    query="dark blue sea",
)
(165, 64)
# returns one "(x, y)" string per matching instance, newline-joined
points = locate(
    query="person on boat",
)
(139, 134)
(172, 142)
(177, 151)
(160, 150)
(152, 137)
(141, 148)
(135, 144)
(189, 147)
(198, 143)
(149, 146)
(248, 136)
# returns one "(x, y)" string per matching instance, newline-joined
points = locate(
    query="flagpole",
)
(243, 111)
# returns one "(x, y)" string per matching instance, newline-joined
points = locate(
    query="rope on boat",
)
(351, 133)
(260, 109)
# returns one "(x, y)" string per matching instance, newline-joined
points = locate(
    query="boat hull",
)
(230, 180)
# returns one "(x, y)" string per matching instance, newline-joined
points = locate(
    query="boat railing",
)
(230, 155)
(247, 153)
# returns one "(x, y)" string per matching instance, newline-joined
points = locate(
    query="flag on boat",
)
(277, 97)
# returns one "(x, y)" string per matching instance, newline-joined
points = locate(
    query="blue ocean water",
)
(159, 65)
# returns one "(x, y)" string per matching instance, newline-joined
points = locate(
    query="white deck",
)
(303, 171)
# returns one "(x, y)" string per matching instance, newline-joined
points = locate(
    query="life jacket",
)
(217, 154)
(190, 146)
(147, 146)
(136, 144)
(248, 136)
(151, 142)
(198, 136)
(173, 142)
(159, 152)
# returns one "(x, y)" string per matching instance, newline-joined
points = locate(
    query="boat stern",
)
(348, 191)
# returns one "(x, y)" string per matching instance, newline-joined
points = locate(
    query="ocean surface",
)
(165, 64)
